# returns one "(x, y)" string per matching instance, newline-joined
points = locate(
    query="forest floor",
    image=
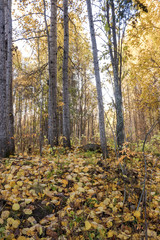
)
(76, 195)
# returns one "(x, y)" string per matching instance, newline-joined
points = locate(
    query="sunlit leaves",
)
(142, 55)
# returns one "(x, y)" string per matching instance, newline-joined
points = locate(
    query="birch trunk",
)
(3, 128)
(9, 104)
(98, 82)
(66, 115)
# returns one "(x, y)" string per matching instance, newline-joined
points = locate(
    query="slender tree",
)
(98, 82)
(66, 111)
(116, 62)
(41, 99)
(9, 105)
(3, 126)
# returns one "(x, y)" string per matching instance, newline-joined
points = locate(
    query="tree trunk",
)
(113, 51)
(66, 111)
(9, 104)
(98, 82)
(3, 128)
(41, 100)
(52, 59)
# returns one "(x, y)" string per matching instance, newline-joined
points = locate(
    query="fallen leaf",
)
(151, 233)
(87, 225)
(27, 211)
(110, 234)
(137, 214)
(22, 238)
(15, 223)
(16, 207)
(1, 221)
(5, 214)
(10, 221)
(109, 224)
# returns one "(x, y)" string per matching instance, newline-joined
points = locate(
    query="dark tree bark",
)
(3, 120)
(9, 104)
(66, 110)
(98, 82)
(52, 59)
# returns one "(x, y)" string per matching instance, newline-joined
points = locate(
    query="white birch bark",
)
(98, 82)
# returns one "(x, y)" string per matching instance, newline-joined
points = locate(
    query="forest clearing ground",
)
(76, 195)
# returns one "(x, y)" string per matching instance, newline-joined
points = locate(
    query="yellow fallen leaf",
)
(21, 238)
(28, 200)
(128, 217)
(15, 223)
(69, 177)
(32, 220)
(79, 212)
(102, 231)
(110, 234)
(137, 214)
(10, 176)
(25, 231)
(136, 236)
(27, 211)
(12, 183)
(106, 201)
(120, 204)
(87, 225)
(39, 229)
(48, 193)
(111, 205)
(5, 214)
(92, 214)
(94, 225)
(91, 191)
(100, 209)
(7, 187)
(80, 190)
(151, 233)
(10, 221)
(1, 221)
(16, 206)
(61, 214)
(109, 224)
(124, 236)
(20, 183)
(64, 223)
(85, 169)
(52, 217)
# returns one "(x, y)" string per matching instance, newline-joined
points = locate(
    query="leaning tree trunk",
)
(66, 113)
(98, 82)
(9, 104)
(3, 128)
